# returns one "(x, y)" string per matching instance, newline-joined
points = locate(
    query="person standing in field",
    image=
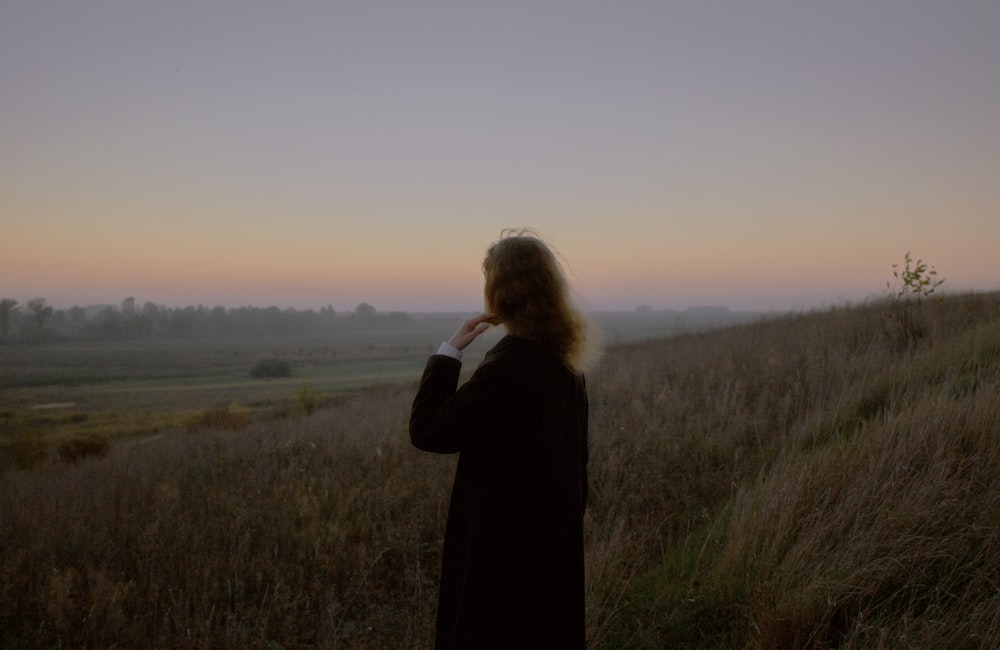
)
(512, 571)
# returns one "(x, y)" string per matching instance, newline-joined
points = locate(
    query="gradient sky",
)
(759, 155)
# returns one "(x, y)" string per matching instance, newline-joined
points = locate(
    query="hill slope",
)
(825, 480)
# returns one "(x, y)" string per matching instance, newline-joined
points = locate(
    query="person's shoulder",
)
(515, 349)
(527, 357)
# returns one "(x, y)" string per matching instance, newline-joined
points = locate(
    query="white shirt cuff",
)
(449, 350)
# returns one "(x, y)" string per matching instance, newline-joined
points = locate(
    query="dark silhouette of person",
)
(512, 570)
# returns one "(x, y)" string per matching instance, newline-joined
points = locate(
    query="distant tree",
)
(146, 319)
(128, 307)
(7, 305)
(364, 310)
(219, 323)
(40, 312)
(74, 322)
(183, 321)
(111, 323)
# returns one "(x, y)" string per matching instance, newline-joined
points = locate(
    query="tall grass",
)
(800, 482)
(804, 482)
(296, 533)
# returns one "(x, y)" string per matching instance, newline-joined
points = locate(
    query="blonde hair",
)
(527, 290)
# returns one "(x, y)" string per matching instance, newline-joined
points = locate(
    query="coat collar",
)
(511, 343)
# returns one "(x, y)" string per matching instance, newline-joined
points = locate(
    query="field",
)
(113, 390)
(65, 391)
(816, 480)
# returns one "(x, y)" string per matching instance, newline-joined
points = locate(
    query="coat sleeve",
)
(443, 415)
(583, 405)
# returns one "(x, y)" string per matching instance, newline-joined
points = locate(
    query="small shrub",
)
(271, 369)
(916, 279)
(28, 450)
(904, 323)
(219, 418)
(308, 399)
(73, 450)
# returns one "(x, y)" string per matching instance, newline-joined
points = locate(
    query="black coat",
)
(512, 567)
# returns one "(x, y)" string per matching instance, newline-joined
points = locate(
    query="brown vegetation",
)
(802, 482)
(226, 418)
(74, 450)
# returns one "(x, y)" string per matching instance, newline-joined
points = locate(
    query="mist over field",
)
(117, 370)
(36, 321)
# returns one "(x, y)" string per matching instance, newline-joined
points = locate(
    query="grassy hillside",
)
(826, 480)
(823, 480)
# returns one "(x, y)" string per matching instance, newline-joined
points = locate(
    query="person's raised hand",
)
(470, 329)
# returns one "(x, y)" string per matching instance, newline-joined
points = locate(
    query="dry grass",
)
(292, 533)
(805, 482)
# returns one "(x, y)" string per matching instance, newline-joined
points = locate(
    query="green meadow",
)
(813, 480)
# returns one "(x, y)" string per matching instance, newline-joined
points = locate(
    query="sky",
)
(762, 155)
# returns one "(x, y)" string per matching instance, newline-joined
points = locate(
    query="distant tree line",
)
(36, 321)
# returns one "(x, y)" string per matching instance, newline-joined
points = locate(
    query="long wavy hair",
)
(527, 290)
